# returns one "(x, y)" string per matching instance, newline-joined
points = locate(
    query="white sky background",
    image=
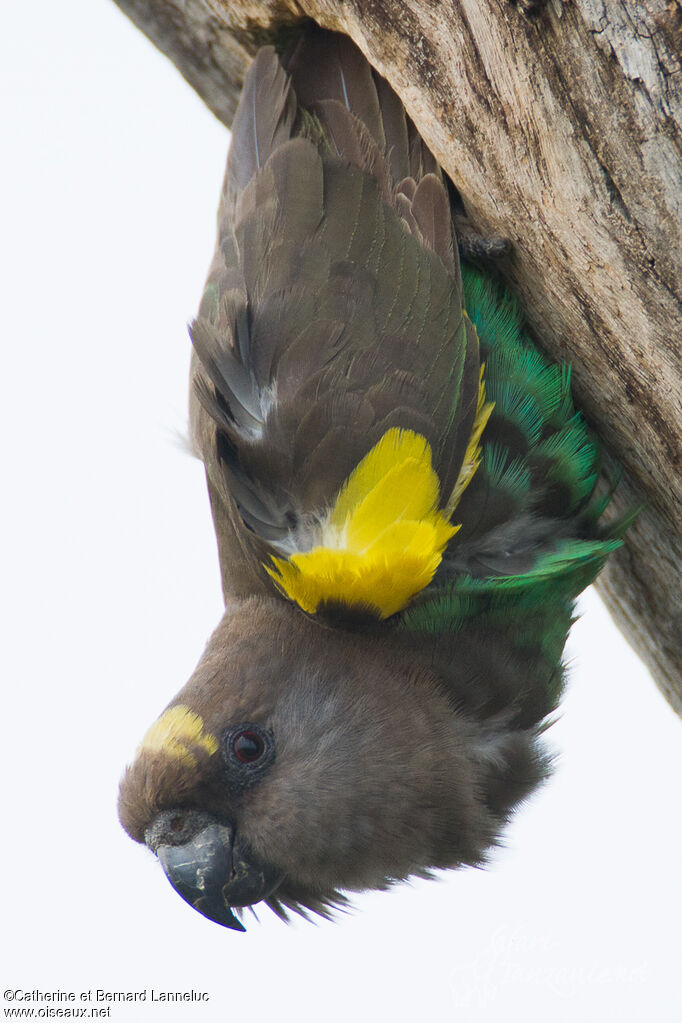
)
(110, 180)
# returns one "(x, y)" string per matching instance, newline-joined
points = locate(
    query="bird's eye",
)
(248, 751)
(248, 746)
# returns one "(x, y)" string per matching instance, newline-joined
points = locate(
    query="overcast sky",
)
(110, 179)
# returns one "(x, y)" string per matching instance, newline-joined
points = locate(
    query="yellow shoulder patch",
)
(383, 539)
(175, 732)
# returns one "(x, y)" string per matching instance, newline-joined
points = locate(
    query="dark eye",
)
(248, 746)
(249, 749)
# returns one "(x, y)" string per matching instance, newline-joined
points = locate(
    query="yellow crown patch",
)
(176, 732)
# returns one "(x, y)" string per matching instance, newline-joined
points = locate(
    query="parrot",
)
(406, 506)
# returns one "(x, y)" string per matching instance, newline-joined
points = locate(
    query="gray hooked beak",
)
(203, 861)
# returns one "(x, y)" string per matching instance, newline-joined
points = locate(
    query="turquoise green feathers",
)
(406, 507)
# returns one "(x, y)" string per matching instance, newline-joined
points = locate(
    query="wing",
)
(333, 309)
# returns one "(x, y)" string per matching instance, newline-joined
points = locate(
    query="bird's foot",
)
(475, 246)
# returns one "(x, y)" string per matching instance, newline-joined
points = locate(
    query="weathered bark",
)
(562, 131)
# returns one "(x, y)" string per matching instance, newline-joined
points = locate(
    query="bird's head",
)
(301, 760)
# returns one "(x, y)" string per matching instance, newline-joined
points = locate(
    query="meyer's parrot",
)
(404, 501)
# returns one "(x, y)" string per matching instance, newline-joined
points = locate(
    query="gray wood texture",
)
(561, 130)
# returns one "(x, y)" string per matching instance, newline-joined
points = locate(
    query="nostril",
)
(176, 827)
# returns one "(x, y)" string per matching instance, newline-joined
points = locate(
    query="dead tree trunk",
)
(561, 129)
